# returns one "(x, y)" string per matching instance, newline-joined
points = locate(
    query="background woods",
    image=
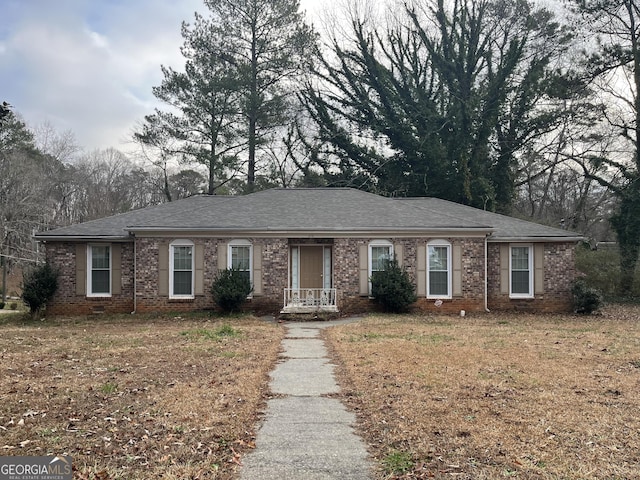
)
(518, 107)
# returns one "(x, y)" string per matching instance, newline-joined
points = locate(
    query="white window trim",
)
(327, 267)
(241, 243)
(181, 243)
(295, 267)
(376, 243)
(90, 269)
(530, 294)
(440, 243)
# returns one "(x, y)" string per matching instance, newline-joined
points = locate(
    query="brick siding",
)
(66, 302)
(559, 273)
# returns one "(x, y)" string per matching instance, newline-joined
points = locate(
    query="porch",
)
(309, 300)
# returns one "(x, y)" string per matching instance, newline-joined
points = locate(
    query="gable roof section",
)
(306, 211)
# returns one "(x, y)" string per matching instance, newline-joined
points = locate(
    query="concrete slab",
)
(300, 410)
(307, 438)
(298, 330)
(304, 377)
(304, 348)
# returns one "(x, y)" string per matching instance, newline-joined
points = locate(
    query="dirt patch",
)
(136, 397)
(495, 396)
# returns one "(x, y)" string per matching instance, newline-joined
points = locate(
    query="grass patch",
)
(397, 462)
(109, 388)
(224, 331)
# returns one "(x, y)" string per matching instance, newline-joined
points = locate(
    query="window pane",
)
(240, 258)
(245, 274)
(378, 256)
(182, 258)
(438, 258)
(520, 258)
(182, 283)
(438, 283)
(520, 282)
(100, 281)
(100, 257)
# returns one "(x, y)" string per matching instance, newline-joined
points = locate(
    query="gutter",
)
(135, 274)
(84, 238)
(532, 239)
(486, 274)
(317, 233)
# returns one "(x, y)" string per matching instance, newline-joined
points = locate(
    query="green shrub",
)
(585, 299)
(601, 270)
(13, 306)
(392, 287)
(230, 289)
(1, 305)
(38, 287)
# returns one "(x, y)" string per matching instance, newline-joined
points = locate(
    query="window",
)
(439, 270)
(240, 257)
(379, 252)
(521, 271)
(99, 271)
(181, 269)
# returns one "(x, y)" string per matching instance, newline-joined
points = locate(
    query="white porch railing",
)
(300, 300)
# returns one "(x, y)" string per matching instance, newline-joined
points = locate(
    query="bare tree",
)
(616, 64)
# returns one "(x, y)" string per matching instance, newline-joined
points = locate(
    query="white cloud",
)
(88, 66)
(86, 69)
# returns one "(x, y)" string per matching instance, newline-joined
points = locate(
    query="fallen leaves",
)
(505, 395)
(165, 418)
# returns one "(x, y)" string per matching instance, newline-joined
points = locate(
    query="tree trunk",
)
(253, 111)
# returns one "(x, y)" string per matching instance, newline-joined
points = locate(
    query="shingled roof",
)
(308, 211)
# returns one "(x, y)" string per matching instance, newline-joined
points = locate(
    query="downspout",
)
(486, 275)
(135, 274)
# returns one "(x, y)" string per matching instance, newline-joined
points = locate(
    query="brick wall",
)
(347, 279)
(67, 302)
(274, 267)
(558, 275)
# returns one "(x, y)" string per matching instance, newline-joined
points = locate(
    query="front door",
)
(311, 266)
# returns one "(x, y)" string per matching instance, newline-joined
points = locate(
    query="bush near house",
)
(230, 289)
(601, 270)
(586, 299)
(38, 288)
(392, 288)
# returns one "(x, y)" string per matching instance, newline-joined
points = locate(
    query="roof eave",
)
(530, 239)
(307, 231)
(87, 238)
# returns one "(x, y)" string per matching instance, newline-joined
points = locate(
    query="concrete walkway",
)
(306, 436)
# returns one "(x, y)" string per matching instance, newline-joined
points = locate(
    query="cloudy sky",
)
(88, 65)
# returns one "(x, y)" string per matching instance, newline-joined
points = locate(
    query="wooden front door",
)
(311, 266)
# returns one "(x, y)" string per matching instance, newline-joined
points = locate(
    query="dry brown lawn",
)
(135, 397)
(496, 396)
(481, 397)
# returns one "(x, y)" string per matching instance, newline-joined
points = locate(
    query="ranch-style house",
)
(308, 250)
